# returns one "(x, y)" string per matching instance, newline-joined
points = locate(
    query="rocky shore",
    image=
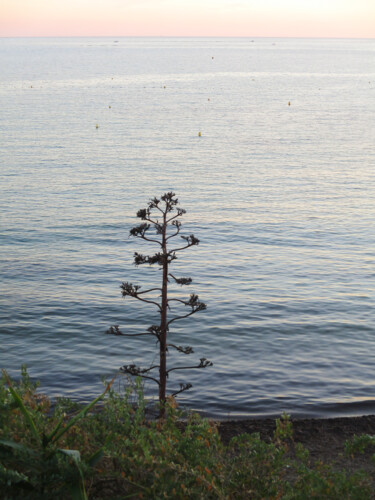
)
(324, 438)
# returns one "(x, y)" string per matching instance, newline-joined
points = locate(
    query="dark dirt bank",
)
(324, 438)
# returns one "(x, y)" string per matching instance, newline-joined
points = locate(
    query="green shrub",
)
(32, 459)
(118, 451)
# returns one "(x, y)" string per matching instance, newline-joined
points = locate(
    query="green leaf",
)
(95, 457)
(55, 430)
(82, 413)
(78, 491)
(13, 476)
(16, 480)
(74, 454)
(77, 488)
(22, 407)
(17, 447)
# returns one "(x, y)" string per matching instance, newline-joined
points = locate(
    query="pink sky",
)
(293, 18)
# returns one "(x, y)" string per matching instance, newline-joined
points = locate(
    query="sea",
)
(269, 145)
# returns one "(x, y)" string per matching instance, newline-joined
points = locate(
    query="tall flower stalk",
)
(161, 223)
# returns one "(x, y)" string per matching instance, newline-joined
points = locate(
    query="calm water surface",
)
(281, 196)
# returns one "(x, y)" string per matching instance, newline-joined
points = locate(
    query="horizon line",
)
(192, 36)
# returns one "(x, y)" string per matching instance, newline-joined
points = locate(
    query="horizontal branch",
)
(191, 241)
(173, 235)
(141, 230)
(149, 290)
(178, 300)
(181, 248)
(143, 376)
(148, 301)
(181, 281)
(135, 371)
(194, 303)
(115, 330)
(128, 289)
(180, 212)
(203, 364)
(180, 317)
(151, 240)
(185, 350)
(183, 387)
(158, 258)
(151, 220)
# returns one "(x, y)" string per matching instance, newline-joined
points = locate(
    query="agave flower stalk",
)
(160, 224)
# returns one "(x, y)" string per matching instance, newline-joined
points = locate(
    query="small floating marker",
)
(288, 103)
(31, 86)
(212, 57)
(96, 126)
(110, 107)
(199, 134)
(164, 87)
(208, 99)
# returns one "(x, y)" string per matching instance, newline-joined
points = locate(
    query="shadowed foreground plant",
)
(31, 467)
(161, 225)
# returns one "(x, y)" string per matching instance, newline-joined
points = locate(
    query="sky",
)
(252, 18)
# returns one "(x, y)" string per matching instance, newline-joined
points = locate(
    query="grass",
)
(118, 453)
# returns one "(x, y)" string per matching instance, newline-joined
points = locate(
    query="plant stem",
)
(163, 321)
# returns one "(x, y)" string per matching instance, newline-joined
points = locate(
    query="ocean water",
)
(279, 188)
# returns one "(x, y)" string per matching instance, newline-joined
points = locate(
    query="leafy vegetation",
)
(115, 452)
(32, 463)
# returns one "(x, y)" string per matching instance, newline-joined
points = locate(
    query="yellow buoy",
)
(97, 126)
(110, 107)
(199, 134)
(289, 103)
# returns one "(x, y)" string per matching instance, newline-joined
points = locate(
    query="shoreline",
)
(303, 427)
(324, 438)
